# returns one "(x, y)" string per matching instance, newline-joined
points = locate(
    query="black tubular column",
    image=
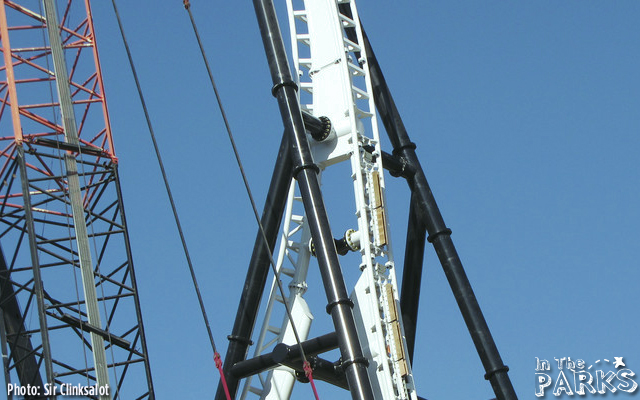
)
(258, 271)
(440, 236)
(19, 342)
(412, 274)
(305, 171)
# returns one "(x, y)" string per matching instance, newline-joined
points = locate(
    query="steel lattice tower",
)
(330, 107)
(68, 295)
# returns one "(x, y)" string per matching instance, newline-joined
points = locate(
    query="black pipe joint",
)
(240, 339)
(333, 304)
(357, 360)
(396, 164)
(280, 85)
(398, 150)
(431, 238)
(490, 374)
(300, 168)
(318, 128)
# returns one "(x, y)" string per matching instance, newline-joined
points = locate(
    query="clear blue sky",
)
(526, 119)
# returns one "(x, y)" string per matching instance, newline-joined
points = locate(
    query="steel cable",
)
(307, 367)
(167, 187)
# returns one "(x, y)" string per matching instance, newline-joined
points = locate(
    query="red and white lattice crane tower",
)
(68, 295)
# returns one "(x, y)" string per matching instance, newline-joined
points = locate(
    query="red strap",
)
(218, 361)
(307, 371)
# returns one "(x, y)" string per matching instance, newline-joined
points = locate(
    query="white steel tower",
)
(333, 76)
(329, 110)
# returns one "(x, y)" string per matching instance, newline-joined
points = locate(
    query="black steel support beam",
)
(412, 274)
(318, 128)
(87, 327)
(305, 171)
(440, 235)
(258, 271)
(323, 370)
(290, 356)
(35, 266)
(77, 148)
(283, 353)
(19, 342)
(397, 166)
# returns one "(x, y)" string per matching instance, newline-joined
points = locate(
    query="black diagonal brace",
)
(439, 234)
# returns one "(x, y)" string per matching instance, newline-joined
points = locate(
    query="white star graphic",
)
(618, 362)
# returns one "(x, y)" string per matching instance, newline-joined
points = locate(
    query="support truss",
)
(338, 80)
(68, 295)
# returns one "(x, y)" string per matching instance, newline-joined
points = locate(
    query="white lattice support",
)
(333, 77)
(292, 262)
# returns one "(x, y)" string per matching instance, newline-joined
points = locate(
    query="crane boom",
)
(69, 308)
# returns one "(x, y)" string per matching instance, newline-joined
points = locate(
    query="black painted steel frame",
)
(424, 217)
(39, 277)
